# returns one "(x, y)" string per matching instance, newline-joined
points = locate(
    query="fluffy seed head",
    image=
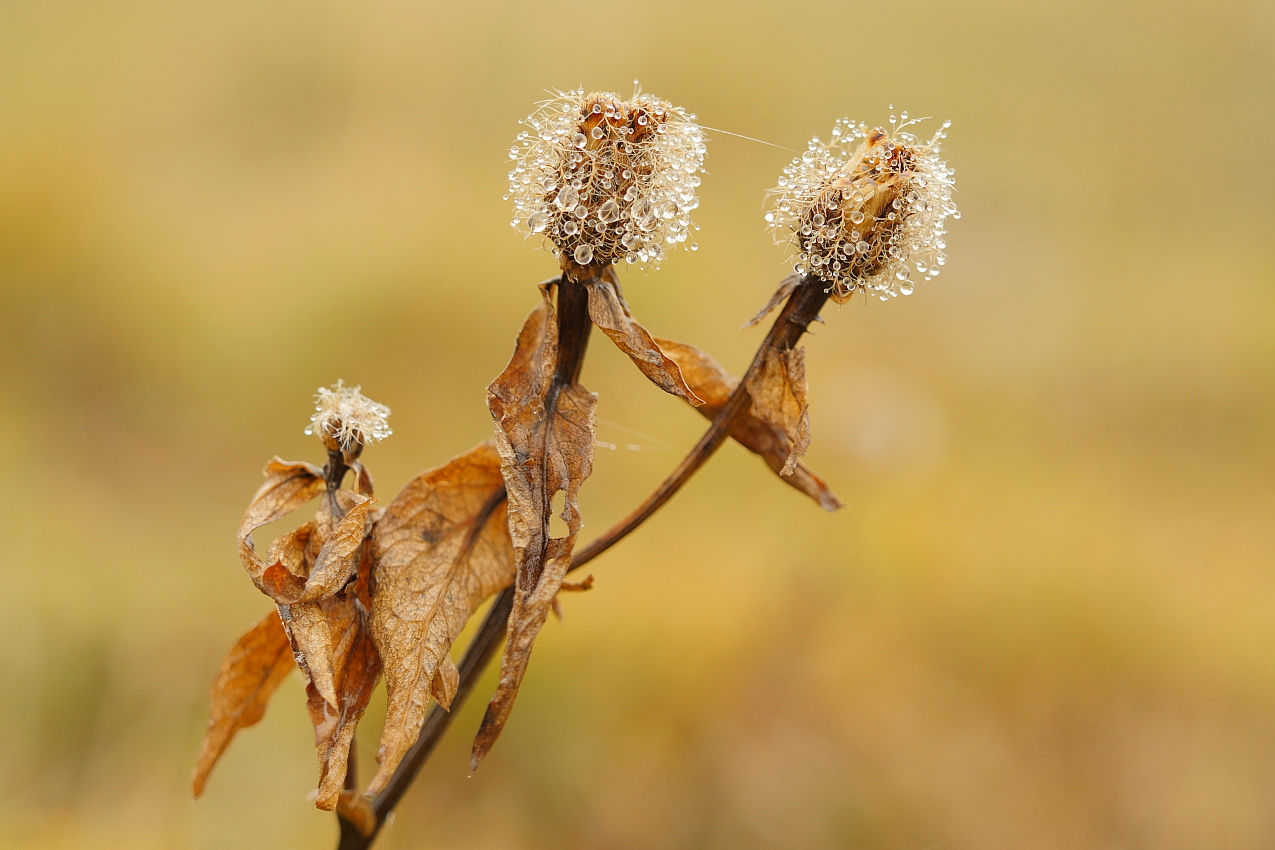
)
(867, 209)
(346, 420)
(604, 179)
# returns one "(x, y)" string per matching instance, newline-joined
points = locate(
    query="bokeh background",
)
(1046, 618)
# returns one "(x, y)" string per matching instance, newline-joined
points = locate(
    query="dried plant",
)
(361, 588)
(319, 577)
(867, 208)
(604, 179)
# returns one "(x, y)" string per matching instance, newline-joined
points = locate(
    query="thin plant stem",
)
(801, 309)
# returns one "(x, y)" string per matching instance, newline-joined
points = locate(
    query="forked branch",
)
(802, 308)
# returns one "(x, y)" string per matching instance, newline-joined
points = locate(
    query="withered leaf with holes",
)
(758, 430)
(253, 668)
(540, 456)
(609, 311)
(441, 549)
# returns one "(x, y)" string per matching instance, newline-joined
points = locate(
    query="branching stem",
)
(794, 319)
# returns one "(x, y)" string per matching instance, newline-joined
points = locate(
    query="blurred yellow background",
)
(1046, 618)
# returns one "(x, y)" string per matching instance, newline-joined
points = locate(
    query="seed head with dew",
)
(346, 420)
(604, 179)
(866, 210)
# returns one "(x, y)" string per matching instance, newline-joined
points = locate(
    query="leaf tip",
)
(358, 810)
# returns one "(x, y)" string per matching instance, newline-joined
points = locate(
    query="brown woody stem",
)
(574, 326)
(479, 654)
(801, 309)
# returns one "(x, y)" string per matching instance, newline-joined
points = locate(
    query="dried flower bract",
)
(867, 209)
(346, 420)
(605, 179)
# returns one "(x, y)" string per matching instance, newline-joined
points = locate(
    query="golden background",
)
(1046, 618)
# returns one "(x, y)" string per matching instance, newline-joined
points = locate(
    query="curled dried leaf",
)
(289, 485)
(442, 548)
(334, 567)
(545, 435)
(311, 637)
(253, 668)
(609, 311)
(356, 668)
(757, 433)
(363, 483)
(319, 576)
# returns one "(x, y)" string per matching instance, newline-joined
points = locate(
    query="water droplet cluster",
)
(866, 210)
(346, 416)
(603, 179)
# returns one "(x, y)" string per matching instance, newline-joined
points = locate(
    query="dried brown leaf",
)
(331, 637)
(318, 576)
(334, 567)
(311, 637)
(292, 554)
(356, 668)
(541, 455)
(445, 683)
(757, 433)
(324, 554)
(779, 397)
(289, 485)
(253, 668)
(610, 312)
(363, 483)
(441, 549)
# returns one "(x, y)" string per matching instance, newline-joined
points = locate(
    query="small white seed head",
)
(866, 211)
(346, 420)
(602, 179)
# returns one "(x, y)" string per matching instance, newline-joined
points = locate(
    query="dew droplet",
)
(567, 198)
(537, 222)
(584, 255)
(609, 211)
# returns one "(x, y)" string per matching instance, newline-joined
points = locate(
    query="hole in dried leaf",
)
(557, 525)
